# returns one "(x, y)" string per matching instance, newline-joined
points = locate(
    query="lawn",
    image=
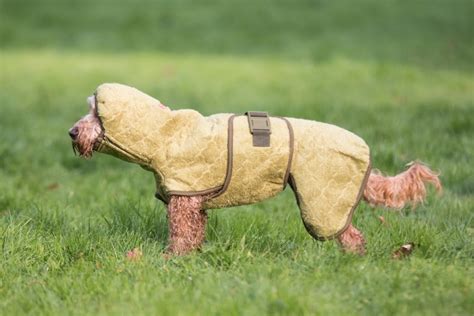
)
(397, 73)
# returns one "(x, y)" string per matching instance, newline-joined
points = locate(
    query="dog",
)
(218, 161)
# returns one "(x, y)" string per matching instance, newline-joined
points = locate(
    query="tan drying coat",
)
(191, 154)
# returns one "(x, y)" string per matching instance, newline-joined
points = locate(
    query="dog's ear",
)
(91, 102)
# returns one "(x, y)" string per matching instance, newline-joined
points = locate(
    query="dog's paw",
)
(355, 249)
(352, 241)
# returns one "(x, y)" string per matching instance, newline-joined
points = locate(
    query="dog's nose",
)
(73, 132)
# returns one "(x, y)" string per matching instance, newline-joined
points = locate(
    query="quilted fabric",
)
(329, 171)
(189, 154)
(258, 173)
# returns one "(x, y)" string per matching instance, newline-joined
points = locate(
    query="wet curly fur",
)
(186, 222)
(86, 132)
(405, 188)
(187, 219)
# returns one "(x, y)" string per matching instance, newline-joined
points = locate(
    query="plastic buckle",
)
(260, 128)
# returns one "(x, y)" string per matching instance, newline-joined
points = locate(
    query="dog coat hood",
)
(190, 154)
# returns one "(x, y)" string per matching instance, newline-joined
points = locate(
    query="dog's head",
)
(86, 133)
(123, 122)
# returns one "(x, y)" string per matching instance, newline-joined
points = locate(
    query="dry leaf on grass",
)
(382, 220)
(403, 251)
(53, 186)
(134, 255)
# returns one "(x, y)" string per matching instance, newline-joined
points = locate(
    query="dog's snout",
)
(73, 132)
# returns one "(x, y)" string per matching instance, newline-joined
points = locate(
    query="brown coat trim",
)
(351, 213)
(216, 191)
(230, 157)
(292, 149)
(219, 190)
(192, 193)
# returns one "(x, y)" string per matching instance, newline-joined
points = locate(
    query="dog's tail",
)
(405, 188)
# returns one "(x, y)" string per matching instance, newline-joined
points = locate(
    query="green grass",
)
(398, 73)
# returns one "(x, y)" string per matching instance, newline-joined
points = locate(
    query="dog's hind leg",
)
(352, 240)
(324, 225)
(187, 224)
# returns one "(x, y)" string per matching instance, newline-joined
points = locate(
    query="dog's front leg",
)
(187, 224)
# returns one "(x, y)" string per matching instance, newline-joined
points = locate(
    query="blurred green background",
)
(398, 73)
(436, 34)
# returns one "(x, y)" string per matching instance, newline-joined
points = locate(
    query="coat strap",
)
(260, 128)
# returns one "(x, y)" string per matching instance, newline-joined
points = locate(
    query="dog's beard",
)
(74, 148)
(84, 148)
(90, 135)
